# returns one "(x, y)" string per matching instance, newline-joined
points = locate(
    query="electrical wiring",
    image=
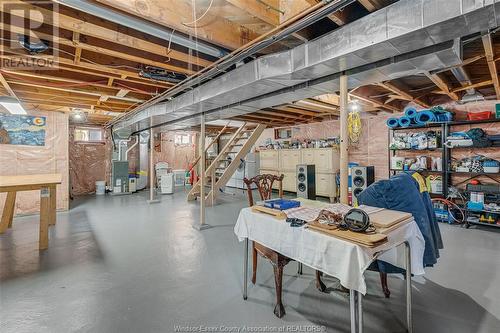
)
(199, 18)
(354, 126)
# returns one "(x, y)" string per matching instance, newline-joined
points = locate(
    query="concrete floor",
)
(117, 264)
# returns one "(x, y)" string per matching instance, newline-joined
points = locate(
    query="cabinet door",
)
(289, 159)
(269, 159)
(289, 182)
(323, 160)
(325, 184)
(307, 156)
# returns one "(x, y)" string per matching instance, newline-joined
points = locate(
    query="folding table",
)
(46, 183)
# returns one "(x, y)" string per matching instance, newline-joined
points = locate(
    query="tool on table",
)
(294, 222)
(357, 220)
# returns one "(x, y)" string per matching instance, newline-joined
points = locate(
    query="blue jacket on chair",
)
(402, 193)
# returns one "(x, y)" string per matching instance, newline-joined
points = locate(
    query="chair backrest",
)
(264, 184)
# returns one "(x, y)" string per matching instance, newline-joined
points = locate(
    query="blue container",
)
(282, 204)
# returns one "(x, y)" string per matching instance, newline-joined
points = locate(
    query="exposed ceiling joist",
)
(441, 84)
(258, 9)
(490, 58)
(375, 102)
(407, 96)
(178, 15)
(474, 85)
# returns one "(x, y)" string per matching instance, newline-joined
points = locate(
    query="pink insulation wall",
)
(51, 158)
(88, 163)
(177, 156)
(372, 148)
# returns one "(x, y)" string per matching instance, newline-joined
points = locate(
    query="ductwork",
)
(140, 25)
(383, 45)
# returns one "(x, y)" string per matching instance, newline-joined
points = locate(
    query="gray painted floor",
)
(117, 264)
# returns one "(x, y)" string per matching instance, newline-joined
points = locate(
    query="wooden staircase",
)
(219, 172)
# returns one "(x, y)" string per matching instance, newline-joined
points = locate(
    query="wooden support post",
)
(212, 184)
(202, 171)
(8, 211)
(344, 140)
(44, 218)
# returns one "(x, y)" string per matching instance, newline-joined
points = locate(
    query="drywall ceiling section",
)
(401, 28)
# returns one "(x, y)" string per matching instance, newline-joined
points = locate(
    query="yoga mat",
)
(392, 122)
(425, 116)
(404, 121)
(410, 112)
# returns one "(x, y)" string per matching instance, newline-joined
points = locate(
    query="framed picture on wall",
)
(22, 130)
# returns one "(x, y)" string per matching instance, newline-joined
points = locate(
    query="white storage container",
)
(100, 187)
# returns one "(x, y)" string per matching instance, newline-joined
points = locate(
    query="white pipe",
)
(132, 147)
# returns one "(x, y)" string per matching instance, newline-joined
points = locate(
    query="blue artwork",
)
(22, 130)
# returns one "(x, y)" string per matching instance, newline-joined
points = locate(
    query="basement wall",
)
(51, 158)
(372, 148)
(88, 163)
(177, 156)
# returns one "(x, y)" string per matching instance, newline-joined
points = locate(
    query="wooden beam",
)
(105, 50)
(258, 10)
(176, 14)
(371, 5)
(490, 58)
(474, 85)
(97, 70)
(115, 36)
(441, 84)
(375, 102)
(339, 18)
(66, 80)
(122, 92)
(6, 85)
(398, 91)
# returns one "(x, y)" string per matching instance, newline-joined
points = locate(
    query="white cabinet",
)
(284, 161)
(289, 182)
(289, 158)
(307, 156)
(325, 184)
(269, 159)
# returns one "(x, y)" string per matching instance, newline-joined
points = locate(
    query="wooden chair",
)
(264, 184)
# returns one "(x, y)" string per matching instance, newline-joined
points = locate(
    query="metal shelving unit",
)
(446, 153)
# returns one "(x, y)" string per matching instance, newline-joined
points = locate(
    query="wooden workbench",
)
(46, 183)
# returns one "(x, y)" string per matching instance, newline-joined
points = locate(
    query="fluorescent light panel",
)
(12, 105)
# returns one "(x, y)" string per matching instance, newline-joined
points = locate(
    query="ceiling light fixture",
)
(12, 105)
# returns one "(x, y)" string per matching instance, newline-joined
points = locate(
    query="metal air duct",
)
(399, 30)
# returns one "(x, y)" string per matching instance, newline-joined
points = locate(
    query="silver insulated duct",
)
(395, 41)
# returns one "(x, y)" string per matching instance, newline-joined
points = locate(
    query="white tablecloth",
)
(336, 257)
